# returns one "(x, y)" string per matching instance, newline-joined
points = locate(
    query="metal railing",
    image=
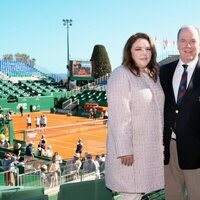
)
(66, 103)
(32, 178)
(35, 178)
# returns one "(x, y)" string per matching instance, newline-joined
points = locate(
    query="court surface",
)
(62, 133)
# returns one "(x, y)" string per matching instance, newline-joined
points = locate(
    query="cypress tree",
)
(100, 61)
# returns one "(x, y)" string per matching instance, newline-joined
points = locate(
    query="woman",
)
(134, 162)
(79, 146)
(57, 158)
(54, 170)
(17, 150)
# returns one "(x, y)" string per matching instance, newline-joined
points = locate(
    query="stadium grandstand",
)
(14, 70)
(54, 177)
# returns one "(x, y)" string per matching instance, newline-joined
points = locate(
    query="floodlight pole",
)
(68, 23)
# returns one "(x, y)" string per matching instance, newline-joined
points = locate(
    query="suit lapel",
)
(194, 81)
(170, 83)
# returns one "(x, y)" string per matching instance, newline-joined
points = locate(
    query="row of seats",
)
(18, 69)
(91, 96)
(28, 88)
(87, 96)
(88, 190)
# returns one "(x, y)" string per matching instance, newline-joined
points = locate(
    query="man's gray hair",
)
(185, 27)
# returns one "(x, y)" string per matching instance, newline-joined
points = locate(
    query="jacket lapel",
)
(170, 83)
(194, 81)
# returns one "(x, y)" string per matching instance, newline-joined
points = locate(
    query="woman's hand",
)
(127, 160)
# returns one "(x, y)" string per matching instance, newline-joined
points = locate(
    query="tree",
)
(32, 62)
(22, 57)
(100, 61)
(8, 57)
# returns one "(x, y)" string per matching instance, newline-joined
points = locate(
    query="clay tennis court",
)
(62, 133)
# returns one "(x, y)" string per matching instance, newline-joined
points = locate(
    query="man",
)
(181, 84)
(29, 151)
(76, 165)
(21, 109)
(89, 165)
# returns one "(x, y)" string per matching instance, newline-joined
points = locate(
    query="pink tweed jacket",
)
(135, 126)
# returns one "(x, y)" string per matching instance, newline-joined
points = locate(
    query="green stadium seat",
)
(88, 190)
(20, 193)
(41, 197)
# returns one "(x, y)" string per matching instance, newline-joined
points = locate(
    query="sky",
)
(35, 27)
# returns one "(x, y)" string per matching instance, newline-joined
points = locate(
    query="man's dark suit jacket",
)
(184, 119)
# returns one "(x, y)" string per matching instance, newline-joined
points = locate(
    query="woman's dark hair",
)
(130, 63)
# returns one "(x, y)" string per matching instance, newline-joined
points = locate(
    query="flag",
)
(165, 43)
(156, 42)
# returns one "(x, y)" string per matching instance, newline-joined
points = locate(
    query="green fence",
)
(30, 180)
(30, 104)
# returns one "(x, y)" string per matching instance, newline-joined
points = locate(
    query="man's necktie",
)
(183, 85)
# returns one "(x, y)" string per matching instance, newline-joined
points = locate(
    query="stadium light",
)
(68, 23)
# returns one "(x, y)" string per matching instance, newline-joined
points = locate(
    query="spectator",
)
(41, 121)
(89, 165)
(101, 162)
(96, 161)
(40, 151)
(57, 158)
(74, 167)
(37, 122)
(90, 113)
(1, 143)
(44, 178)
(6, 144)
(43, 142)
(21, 110)
(79, 146)
(54, 170)
(94, 111)
(44, 120)
(21, 162)
(76, 162)
(43, 139)
(49, 152)
(9, 166)
(7, 117)
(28, 121)
(29, 152)
(105, 117)
(103, 157)
(17, 150)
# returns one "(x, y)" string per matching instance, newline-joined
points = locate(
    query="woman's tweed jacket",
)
(135, 126)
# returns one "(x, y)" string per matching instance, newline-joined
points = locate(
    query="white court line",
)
(63, 147)
(68, 125)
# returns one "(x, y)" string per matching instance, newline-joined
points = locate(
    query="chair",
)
(88, 190)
